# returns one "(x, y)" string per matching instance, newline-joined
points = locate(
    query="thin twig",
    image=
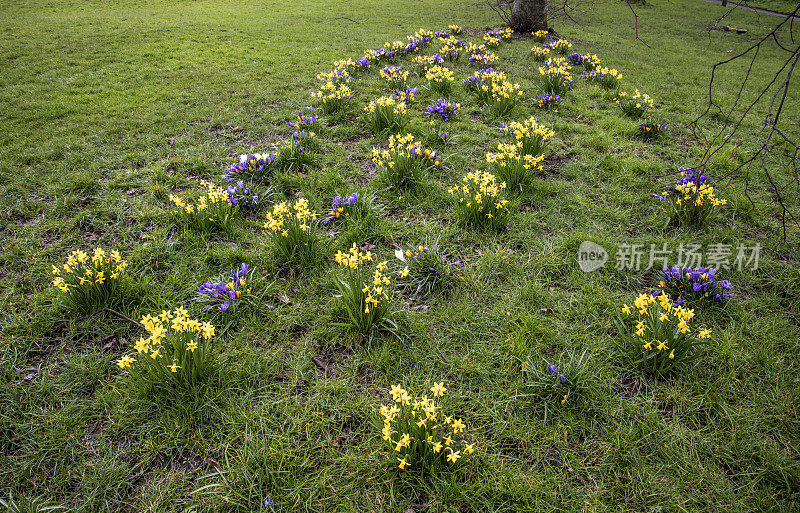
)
(770, 135)
(114, 312)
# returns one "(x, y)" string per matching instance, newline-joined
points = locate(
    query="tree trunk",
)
(528, 15)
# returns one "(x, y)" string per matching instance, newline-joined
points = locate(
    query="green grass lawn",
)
(107, 107)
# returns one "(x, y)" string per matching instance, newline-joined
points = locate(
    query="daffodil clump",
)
(555, 79)
(505, 34)
(451, 49)
(212, 210)
(363, 294)
(561, 46)
(478, 83)
(293, 231)
(348, 66)
(531, 137)
(662, 338)
(440, 80)
(494, 90)
(513, 167)
(590, 61)
(90, 282)
(418, 433)
(540, 35)
(491, 41)
(482, 56)
(692, 200)
(385, 114)
(405, 161)
(334, 97)
(381, 54)
(426, 268)
(427, 61)
(479, 200)
(607, 78)
(633, 105)
(540, 53)
(395, 76)
(174, 353)
(340, 74)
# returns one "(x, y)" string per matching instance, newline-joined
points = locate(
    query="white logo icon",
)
(591, 256)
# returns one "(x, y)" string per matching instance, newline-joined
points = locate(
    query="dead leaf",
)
(208, 460)
(280, 297)
(546, 310)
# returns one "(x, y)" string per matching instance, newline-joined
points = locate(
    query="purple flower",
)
(576, 58)
(443, 108)
(408, 94)
(303, 120)
(254, 166)
(563, 379)
(548, 100)
(225, 306)
(553, 369)
(341, 208)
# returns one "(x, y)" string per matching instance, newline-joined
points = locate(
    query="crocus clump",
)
(443, 109)
(688, 284)
(406, 95)
(427, 268)
(253, 167)
(241, 195)
(651, 129)
(224, 296)
(342, 208)
(548, 101)
(303, 121)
